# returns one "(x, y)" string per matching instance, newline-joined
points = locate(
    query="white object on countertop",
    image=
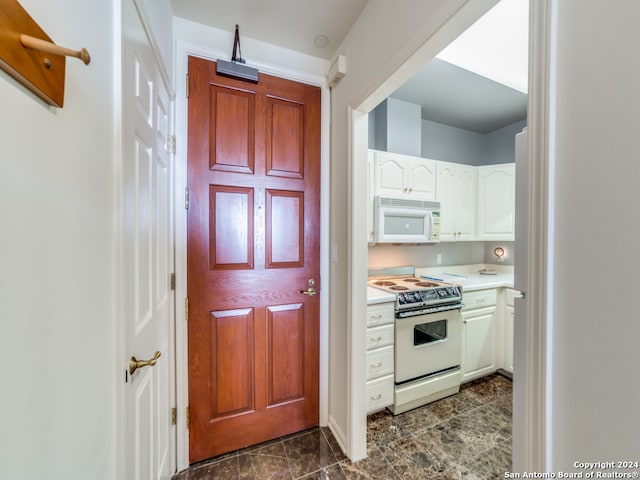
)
(486, 271)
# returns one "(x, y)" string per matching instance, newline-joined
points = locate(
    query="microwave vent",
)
(407, 203)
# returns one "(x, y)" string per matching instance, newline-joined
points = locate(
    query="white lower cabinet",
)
(479, 334)
(380, 363)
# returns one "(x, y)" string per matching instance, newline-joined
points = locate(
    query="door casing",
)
(183, 51)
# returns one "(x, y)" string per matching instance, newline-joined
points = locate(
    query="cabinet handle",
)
(410, 189)
(376, 365)
(377, 397)
(376, 339)
(376, 316)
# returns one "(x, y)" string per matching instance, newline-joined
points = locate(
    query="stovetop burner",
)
(384, 283)
(417, 293)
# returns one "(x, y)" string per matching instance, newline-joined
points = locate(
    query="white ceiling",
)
(292, 24)
(448, 94)
(496, 46)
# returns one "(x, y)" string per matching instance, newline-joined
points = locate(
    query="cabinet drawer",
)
(381, 314)
(479, 299)
(379, 362)
(379, 336)
(379, 393)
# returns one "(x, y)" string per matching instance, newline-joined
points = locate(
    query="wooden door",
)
(252, 250)
(147, 258)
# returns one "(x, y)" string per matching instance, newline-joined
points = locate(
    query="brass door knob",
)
(310, 291)
(136, 364)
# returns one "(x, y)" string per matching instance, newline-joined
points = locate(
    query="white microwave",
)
(401, 220)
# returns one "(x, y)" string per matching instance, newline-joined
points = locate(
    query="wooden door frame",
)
(185, 49)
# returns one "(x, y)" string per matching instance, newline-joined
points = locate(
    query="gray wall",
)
(397, 127)
(500, 144)
(450, 144)
(439, 141)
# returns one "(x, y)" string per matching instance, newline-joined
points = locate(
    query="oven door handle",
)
(427, 311)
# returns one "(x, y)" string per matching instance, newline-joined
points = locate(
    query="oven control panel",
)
(434, 296)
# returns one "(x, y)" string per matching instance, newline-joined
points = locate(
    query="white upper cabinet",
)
(496, 202)
(456, 192)
(401, 176)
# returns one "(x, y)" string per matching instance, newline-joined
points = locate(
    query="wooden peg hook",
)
(42, 45)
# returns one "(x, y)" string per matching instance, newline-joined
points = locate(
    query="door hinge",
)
(171, 144)
(186, 198)
(187, 86)
(186, 309)
(187, 419)
(172, 281)
(174, 416)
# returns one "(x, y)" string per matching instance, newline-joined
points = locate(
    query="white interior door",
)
(147, 256)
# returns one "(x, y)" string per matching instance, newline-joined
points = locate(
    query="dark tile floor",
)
(465, 436)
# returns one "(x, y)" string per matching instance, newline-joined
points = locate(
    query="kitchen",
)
(433, 165)
(66, 188)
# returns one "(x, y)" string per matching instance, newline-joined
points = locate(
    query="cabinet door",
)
(496, 202)
(390, 173)
(456, 192)
(422, 179)
(478, 356)
(446, 195)
(508, 338)
(465, 203)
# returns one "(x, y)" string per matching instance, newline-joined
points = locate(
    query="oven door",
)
(426, 344)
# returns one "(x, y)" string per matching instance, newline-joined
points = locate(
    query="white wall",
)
(57, 305)
(596, 360)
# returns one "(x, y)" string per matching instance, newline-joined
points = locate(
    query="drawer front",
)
(381, 314)
(379, 336)
(379, 393)
(479, 299)
(379, 362)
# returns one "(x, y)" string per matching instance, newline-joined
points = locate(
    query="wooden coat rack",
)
(29, 55)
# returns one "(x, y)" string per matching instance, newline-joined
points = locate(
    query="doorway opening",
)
(361, 129)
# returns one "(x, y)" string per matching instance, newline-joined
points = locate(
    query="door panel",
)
(286, 353)
(252, 248)
(285, 138)
(231, 227)
(147, 255)
(232, 334)
(285, 230)
(232, 133)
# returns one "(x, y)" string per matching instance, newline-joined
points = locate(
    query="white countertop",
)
(466, 275)
(375, 295)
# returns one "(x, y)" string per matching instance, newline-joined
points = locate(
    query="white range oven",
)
(428, 336)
